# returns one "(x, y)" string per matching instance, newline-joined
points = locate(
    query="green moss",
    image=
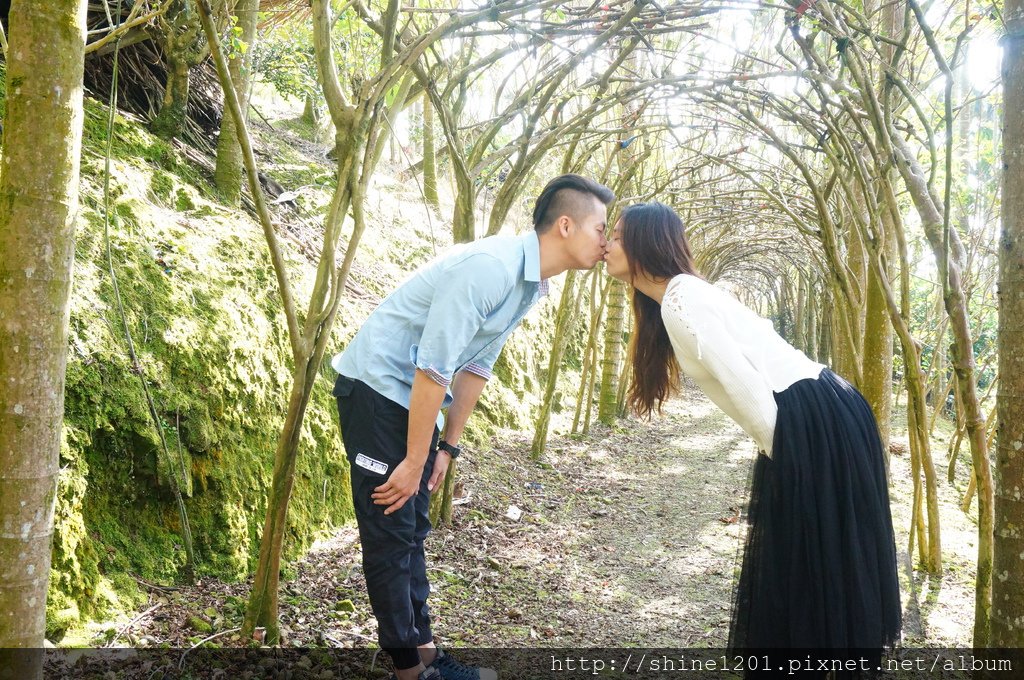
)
(162, 185)
(198, 625)
(183, 201)
(301, 126)
(215, 356)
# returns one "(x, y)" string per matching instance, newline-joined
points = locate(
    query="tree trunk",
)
(262, 607)
(39, 179)
(878, 340)
(811, 331)
(799, 317)
(949, 254)
(782, 305)
(930, 540)
(170, 122)
(228, 173)
(181, 45)
(857, 260)
(429, 157)
(824, 353)
(585, 394)
(314, 115)
(310, 113)
(563, 323)
(1008, 585)
(844, 354)
(941, 385)
(309, 337)
(607, 409)
(464, 218)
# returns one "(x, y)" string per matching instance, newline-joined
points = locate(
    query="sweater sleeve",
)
(700, 339)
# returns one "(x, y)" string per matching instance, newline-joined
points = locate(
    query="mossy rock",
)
(199, 625)
(344, 606)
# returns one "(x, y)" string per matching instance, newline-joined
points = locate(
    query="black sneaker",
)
(451, 669)
(429, 673)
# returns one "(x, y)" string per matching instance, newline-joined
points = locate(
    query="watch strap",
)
(451, 450)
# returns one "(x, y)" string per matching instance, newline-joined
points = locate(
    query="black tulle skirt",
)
(819, 564)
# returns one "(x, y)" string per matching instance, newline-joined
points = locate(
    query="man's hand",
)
(400, 487)
(441, 462)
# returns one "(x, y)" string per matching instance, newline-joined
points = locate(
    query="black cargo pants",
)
(375, 432)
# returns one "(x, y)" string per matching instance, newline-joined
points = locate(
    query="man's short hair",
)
(567, 195)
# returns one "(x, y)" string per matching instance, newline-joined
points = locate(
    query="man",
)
(432, 344)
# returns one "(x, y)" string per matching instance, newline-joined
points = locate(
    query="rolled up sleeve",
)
(483, 365)
(470, 290)
(479, 368)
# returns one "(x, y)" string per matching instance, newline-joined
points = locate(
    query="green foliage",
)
(285, 59)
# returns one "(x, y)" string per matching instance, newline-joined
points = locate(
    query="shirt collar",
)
(531, 251)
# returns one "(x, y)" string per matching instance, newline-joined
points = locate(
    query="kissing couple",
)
(819, 564)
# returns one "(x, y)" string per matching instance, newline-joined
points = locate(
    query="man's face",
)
(586, 240)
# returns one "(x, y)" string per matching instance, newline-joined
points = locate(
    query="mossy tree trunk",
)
(584, 398)
(183, 48)
(857, 259)
(429, 157)
(878, 342)
(811, 330)
(799, 322)
(824, 342)
(1008, 586)
(464, 156)
(608, 403)
(311, 111)
(464, 217)
(227, 174)
(940, 382)
(39, 179)
(846, 353)
(563, 323)
(626, 158)
(783, 300)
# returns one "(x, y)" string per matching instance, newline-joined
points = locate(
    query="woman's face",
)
(616, 262)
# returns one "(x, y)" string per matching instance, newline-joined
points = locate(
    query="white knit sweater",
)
(733, 354)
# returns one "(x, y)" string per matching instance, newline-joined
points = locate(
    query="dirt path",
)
(627, 537)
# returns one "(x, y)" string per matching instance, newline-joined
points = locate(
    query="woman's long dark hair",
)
(655, 243)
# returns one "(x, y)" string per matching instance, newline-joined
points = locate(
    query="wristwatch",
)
(452, 451)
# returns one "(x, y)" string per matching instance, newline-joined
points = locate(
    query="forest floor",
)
(628, 537)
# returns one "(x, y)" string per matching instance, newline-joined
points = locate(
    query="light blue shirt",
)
(454, 314)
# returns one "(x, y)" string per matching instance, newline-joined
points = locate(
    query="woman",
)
(819, 566)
